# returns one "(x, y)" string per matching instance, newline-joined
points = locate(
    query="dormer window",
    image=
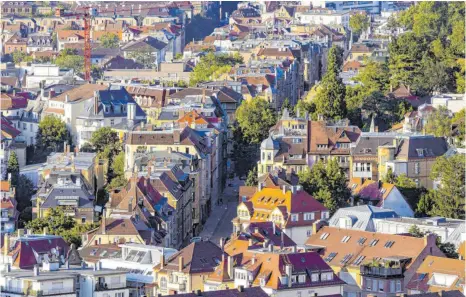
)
(420, 152)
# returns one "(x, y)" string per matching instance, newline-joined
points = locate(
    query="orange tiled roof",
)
(4, 186)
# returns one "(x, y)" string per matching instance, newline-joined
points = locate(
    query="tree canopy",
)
(13, 168)
(212, 66)
(70, 59)
(110, 40)
(252, 180)
(359, 22)
(438, 122)
(330, 98)
(255, 117)
(52, 133)
(326, 181)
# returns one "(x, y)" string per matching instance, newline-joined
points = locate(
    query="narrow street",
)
(219, 224)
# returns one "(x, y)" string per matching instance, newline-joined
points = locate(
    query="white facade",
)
(453, 102)
(51, 74)
(324, 17)
(103, 283)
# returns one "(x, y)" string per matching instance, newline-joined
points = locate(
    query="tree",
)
(438, 122)
(143, 57)
(252, 181)
(448, 199)
(415, 231)
(459, 121)
(106, 137)
(19, 57)
(255, 118)
(178, 56)
(358, 23)
(374, 77)
(13, 168)
(409, 189)
(58, 223)
(448, 248)
(286, 104)
(110, 40)
(327, 183)
(52, 133)
(24, 192)
(390, 177)
(425, 204)
(70, 59)
(212, 66)
(330, 98)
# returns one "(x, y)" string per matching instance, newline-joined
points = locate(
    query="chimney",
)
(230, 266)
(259, 186)
(253, 259)
(430, 240)
(162, 260)
(8, 267)
(52, 93)
(288, 271)
(36, 270)
(180, 264)
(221, 243)
(256, 229)
(104, 221)
(250, 242)
(203, 95)
(176, 136)
(67, 98)
(96, 102)
(65, 145)
(284, 189)
(273, 227)
(6, 244)
(270, 247)
(131, 111)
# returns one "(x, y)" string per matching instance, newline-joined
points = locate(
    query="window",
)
(294, 217)
(327, 276)
(309, 216)
(302, 278)
(25, 126)
(325, 215)
(315, 277)
(112, 122)
(324, 236)
(420, 152)
(269, 156)
(330, 257)
(57, 285)
(417, 168)
(381, 285)
(83, 220)
(308, 233)
(374, 285)
(392, 286)
(398, 286)
(31, 128)
(368, 167)
(345, 238)
(368, 284)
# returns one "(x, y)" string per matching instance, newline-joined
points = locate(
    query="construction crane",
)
(87, 15)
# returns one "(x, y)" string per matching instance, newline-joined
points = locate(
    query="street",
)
(219, 224)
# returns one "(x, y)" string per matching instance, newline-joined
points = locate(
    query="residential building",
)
(11, 140)
(106, 109)
(240, 292)
(138, 261)
(185, 271)
(140, 199)
(453, 102)
(293, 210)
(324, 17)
(412, 155)
(41, 75)
(447, 230)
(39, 43)
(149, 45)
(9, 213)
(372, 262)
(27, 251)
(361, 217)
(21, 8)
(287, 273)
(370, 7)
(65, 37)
(12, 107)
(437, 274)
(29, 120)
(379, 194)
(16, 43)
(67, 190)
(103, 282)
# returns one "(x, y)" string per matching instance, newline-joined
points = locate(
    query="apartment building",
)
(412, 155)
(185, 271)
(372, 263)
(69, 191)
(293, 210)
(9, 213)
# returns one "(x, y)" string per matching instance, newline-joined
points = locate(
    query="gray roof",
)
(455, 293)
(368, 143)
(269, 144)
(361, 216)
(458, 235)
(147, 43)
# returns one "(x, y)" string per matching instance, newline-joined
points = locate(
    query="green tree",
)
(358, 23)
(327, 183)
(374, 77)
(448, 199)
(52, 133)
(415, 231)
(459, 120)
(24, 192)
(178, 56)
(438, 122)
(143, 57)
(58, 223)
(110, 40)
(212, 66)
(425, 204)
(70, 59)
(330, 98)
(390, 177)
(13, 168)
(106, 137)
(251, 180)
(409, 189)
(448, 248)
(255, 118)
(19, 57)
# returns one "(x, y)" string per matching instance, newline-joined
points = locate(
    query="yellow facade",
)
(111, 239)
(194, 281)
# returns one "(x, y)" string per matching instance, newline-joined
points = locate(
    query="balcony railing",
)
(177, 287)
(381, 271)
(40, 293)
(108, 286)
(8, 289)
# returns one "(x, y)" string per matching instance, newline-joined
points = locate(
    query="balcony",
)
(383, 272)
(108, 286)
(177, 287)
(52, 292)
(15, 290)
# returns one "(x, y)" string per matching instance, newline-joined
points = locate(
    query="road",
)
(219, 224)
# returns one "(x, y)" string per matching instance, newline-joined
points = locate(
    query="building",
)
(185, 271)
(9, 213)
(67, 190)
(107, 108)
(453, 102)
(361, 217)
(29, 120)
(149, 45)
(293, 210)
(138, 260)
(448, 230)
(379, 194)
(140, 199)
(412, 155)
(371, 7)
(18, 8)
(240, 292)
(285, 273)
(372, 262)
(48, 74)
(102, 282)
(437, 274)
(323, 17)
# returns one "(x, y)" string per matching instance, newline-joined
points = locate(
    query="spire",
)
(372, 128)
